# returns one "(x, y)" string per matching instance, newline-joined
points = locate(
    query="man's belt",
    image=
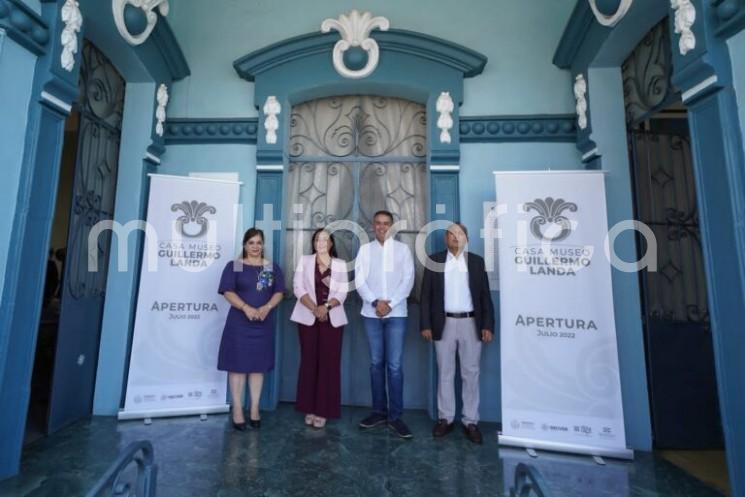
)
(460, 314)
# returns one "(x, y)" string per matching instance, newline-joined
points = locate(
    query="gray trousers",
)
(459, 336)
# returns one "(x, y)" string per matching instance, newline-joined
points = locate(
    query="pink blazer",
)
(304, 283)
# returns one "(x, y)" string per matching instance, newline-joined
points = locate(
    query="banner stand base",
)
(587, 450)
(172, 412)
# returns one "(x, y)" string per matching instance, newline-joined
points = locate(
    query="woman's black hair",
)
(250, 233)
(332, 251)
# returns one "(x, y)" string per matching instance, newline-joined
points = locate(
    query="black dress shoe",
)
(473, 434)
(255, 423)
(239, 426)
(442, 428)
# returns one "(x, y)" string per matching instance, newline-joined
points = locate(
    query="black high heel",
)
(255, 423)
(238, 426)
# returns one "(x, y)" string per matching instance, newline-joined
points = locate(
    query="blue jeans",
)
(385, 338)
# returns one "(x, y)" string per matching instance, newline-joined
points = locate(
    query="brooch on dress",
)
(266, 279)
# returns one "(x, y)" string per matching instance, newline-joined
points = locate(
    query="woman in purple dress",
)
(254, 287)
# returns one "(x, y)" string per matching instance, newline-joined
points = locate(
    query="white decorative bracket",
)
(355, 29)
(445, 121)
(160, 111)
(148, 7)
(272, 108)
(73, 21)
(580, 91)
(614, 19)
(685, 16)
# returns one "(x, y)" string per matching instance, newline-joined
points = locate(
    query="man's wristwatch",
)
(327, 306)
(374, 303)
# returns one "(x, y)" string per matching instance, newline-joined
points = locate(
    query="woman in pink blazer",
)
(320, 285)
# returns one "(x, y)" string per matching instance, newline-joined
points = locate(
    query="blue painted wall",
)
(609, 133)
(519, 65)
(15, 94)
(130, 191)
(495, 30)
(230, 158)
(476, 181)
(34, 4)
(737, 52)
(131, 201)
(519, 79)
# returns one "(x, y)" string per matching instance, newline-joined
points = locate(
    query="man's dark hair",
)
(461, 226)
(384, 213)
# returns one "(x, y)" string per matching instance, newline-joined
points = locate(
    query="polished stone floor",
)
(285, 458)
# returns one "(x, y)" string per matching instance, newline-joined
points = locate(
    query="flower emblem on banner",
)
(194, 212)
(550, 216)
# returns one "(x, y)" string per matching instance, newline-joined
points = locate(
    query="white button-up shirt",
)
(457, 292)
(384, 272)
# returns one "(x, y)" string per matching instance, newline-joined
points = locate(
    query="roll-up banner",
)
(180, 316)
(561, 388)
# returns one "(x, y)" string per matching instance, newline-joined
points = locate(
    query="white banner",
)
(180, 316)
(561, 388)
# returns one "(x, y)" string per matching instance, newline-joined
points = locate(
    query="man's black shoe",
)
(400, 428)
(372, 421)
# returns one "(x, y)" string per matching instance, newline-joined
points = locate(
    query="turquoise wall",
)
(34, 4)
(737, 53)
(131, 201)
(477, 185)
(228, 158)
(130, 196)
(532, 87)
(15, 94)
(609, 133)
(519, 63)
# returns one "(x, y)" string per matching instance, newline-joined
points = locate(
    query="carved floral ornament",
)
(355, 29)
(580, 92)
(445, 108)
(685, 16)
(125, 10)
(73, 21)
(160, 112)
(272, 108)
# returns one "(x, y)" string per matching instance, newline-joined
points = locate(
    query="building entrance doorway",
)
(69, 330)
(350, 157)
(684, 403)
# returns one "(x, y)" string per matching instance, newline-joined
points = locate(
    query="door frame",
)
(703, 74)
(158, 60)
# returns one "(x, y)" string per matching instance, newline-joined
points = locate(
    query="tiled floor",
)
(285, 458)
(709, 466)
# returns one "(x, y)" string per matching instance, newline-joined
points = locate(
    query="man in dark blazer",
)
(458, 315)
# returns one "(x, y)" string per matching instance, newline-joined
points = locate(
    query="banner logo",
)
(550, 214)
(194, 212)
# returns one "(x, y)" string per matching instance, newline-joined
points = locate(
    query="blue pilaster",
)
(704, 76)
(444, 204)
(54, 90)
(268, 201)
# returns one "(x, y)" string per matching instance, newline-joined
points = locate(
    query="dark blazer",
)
(433, 296)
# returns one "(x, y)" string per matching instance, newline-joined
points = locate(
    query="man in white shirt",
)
(384, 277)
(458, 315)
